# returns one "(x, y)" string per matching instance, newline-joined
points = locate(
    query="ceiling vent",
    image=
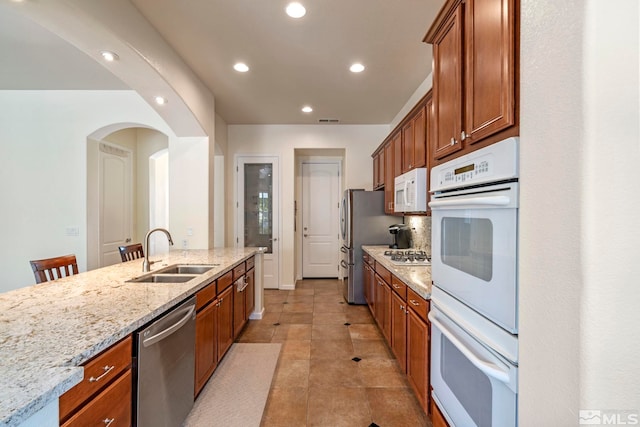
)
(328, 120)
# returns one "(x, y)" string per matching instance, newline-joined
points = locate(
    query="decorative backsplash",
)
(421, 231)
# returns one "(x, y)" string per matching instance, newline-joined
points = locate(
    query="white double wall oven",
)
(474, 315)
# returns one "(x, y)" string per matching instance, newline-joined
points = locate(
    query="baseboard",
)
(291, 287)
(257, 315)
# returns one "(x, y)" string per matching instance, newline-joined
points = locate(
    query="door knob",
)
(305, 235)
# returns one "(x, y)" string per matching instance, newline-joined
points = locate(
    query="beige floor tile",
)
(329, 318)
(291, 373)
(371, 349)
(365, 332)
(355, 316)
(329, 332)
(286, 407)
(300, 299)
(297, 350)
(338, 407)
(273, 307)
(396, 407)
(298, 318)
(292, 333)
(382, 373)
(334, 373)
(332, 349)
(304, 291)
(328, 307)
(297, 307)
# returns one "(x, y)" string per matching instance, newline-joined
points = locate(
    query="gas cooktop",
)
(408, 257)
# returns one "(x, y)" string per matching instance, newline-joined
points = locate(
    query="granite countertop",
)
(418, 278)
(49, 330)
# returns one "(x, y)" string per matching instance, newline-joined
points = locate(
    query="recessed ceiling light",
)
(307, 109)
(109, 56)
(241, 67)
(160, 100)
(295, 10)
(356, 68)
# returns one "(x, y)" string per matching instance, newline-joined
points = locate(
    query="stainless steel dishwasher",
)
(165, 349)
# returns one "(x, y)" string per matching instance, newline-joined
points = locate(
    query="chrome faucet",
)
(146, 264)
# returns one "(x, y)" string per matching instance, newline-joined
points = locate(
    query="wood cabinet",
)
(418, 337)
(105, 390)
(399, 330)
(475, 75)
(414, 141)
(368, 281)
(437, 419)
(225, 321)
(206, 353)
(243, 299)
(389, 178)
(378, 169)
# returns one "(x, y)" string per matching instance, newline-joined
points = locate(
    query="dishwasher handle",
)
(171, 329)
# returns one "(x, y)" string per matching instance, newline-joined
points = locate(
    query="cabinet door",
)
(388, 178)
(383, 305)
(378, 304)
(399, 330)
(418, 357)
(376, 170)
(447, 85)
(225, 321)
(489, 67)
(239, 316)
(407, 146)
(419, 139)
(366, 283)
(205, 349)
(250, 293)
(396, 141)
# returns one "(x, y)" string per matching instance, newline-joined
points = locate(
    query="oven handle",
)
(479, 201)
(489, 369)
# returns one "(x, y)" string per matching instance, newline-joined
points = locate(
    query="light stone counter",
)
(418, 278)
(48, 330)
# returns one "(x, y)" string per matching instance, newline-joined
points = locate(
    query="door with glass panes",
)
(257, 211)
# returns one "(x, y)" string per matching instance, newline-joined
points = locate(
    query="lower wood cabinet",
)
(401, 315)
(104, 392)
(225, 321)
(206, 348)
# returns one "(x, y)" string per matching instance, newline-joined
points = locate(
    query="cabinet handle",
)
(402, 307)
(107, 422)
(107, 369)
(395, 286)
(413, 302)
(463, 136)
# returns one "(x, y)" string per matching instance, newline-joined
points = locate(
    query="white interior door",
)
(115, 202)
(258, 212)
(320, 219)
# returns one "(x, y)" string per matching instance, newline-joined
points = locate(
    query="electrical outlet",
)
(185, 244)
(190, 231)
(72, 231)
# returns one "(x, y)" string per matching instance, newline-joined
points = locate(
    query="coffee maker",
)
(401, 236)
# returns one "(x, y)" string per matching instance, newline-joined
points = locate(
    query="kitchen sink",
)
(187, 269)
(163, 278)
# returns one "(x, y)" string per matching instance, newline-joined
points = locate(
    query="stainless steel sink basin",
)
(187, 269)
(164, 278)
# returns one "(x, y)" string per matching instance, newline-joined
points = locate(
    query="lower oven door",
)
(472, 385)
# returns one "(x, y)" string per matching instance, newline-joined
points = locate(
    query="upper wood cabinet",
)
(389, 178)
(378, 168)
(414, 141)
(474, 76)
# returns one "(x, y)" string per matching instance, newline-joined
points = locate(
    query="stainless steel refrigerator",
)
(362, 222)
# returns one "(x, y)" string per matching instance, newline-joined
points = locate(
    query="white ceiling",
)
(293, 62)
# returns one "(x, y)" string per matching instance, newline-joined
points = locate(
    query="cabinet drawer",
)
(224, 282)
(114, 403)
(383, 272)
(417, 304)
(365, 257)
(205, 295)
(98, 372)
(399, 287)
(238, 271)
(251, 263)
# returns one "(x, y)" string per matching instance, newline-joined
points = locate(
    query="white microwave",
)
(410, 191)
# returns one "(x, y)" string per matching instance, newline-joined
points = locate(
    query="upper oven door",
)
(474, 249)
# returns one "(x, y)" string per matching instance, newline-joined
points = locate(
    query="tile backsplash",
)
(421, 231)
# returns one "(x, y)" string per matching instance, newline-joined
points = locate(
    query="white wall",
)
(579, 264)
(358, 141)
(43, 145)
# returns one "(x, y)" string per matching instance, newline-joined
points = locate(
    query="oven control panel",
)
(495, 162)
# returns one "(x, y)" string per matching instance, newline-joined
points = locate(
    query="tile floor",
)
(316, 382)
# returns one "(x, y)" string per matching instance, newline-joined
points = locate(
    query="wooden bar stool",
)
(54, 268)
(131, 252)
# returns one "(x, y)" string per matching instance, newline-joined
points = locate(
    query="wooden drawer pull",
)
(414, 302)
(107, 422)
(107, 369)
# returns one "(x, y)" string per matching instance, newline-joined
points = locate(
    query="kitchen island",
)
(48, 330)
